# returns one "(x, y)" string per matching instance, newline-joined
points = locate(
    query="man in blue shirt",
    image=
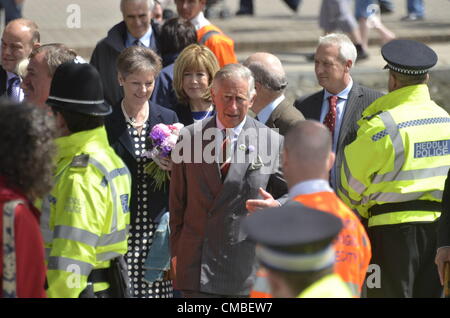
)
(136, 28)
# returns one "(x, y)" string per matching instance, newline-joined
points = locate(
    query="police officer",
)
(394, 174)
(294, 245)
(86, 213)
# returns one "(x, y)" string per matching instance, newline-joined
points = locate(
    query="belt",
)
(416, 205)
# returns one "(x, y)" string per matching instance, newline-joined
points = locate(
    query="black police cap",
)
(77, 87)
(290, 234)
(408, 57)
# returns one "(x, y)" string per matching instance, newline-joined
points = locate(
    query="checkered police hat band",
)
(406, 71)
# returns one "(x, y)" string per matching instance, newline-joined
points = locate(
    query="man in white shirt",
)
(19, 38)
(334, 59)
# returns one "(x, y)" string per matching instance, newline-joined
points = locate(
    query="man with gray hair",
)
(271, 106)
(211, 256)
(19, 38)
(341, 102)
(40, 70)
(137, 28)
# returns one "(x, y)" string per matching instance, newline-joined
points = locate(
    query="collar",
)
(83, 141)
(236, 130)
(264, 114)
(200, 21)
(145, 39)
(342, 94)
(309, 187)
(413, 94)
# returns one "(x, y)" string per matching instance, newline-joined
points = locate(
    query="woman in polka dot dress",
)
(128, 128)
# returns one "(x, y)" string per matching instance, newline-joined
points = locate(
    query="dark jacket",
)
(163, 93)
(443, 238)
(105, 55)
(184, 114)
(120, 140)
(359, 98)
(3, 81)
(284, 117)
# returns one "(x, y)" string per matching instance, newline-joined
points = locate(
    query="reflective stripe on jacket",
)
(220, 44)
(261, 288)
(352, 246)
(401, 154)
(87, 212)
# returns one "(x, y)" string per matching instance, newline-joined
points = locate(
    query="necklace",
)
(131, 120)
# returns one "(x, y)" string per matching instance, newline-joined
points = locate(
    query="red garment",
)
(29, 245)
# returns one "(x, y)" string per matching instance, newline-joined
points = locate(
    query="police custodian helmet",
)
(408, 57)
(293, 237)
(77, 87)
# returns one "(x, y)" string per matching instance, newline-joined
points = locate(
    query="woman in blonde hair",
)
(194, 71)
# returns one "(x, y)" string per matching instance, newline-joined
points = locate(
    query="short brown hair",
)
(138, 59)
(194, 57)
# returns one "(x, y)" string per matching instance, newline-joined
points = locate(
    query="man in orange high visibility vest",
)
(207, 34)
(307, 159)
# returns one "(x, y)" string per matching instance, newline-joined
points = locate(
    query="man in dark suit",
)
(340, 104)
(207, 200)
(135, 29)
(271, 106)
(19, 38)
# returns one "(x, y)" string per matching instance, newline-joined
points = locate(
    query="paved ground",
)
(273, 28)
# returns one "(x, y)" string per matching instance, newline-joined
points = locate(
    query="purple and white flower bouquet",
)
(163, 139)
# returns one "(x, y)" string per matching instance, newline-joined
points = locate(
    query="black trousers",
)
(405, 254)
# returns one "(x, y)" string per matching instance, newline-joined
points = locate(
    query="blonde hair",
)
(194, 57)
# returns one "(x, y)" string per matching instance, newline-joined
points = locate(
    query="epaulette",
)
(80, 161)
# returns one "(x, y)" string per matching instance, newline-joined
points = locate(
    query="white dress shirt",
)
(340, 108)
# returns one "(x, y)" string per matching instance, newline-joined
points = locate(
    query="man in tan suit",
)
(207, 200)
(271, 107)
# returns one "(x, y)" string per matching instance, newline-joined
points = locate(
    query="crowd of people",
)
(266, 197)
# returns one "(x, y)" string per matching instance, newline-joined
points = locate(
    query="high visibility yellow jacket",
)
(85, 217)
(394, 171)
(330, 286)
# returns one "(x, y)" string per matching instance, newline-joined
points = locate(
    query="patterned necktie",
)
(12, 83)
(225, 155)
(330, 118)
